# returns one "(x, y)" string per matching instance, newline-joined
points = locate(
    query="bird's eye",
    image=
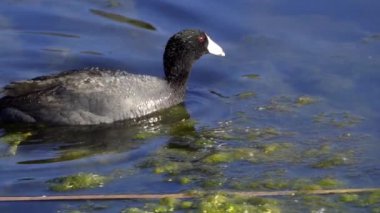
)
(201, 38)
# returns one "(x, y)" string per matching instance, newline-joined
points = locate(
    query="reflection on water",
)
(123, 19)
(78, 142)
(65, 35)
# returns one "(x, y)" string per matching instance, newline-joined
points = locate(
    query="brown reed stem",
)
(181, 195)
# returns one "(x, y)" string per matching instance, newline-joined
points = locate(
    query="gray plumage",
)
(90, 96)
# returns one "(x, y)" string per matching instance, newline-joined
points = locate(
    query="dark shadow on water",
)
(123, 19)
(65, 35)
(77, 142)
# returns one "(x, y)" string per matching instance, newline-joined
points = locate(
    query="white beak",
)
(214, 48)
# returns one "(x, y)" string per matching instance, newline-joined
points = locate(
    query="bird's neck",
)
(177, 70)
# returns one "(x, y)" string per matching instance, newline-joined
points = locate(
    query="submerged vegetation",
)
(13, 140)
(212, 203)
(76, 182)
(339, 120)
(200, 159)
(287, 104)
(222, 202)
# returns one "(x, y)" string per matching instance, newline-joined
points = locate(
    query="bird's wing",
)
(43, 83)
(21, 88)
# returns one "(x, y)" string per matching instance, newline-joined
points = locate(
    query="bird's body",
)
(88, 96)
(95, 96)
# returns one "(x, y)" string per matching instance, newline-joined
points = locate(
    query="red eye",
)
(201, 39)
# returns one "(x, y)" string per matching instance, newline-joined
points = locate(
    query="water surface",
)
(295, 98)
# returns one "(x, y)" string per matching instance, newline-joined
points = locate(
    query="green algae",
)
(185, 180)
(14, 140)
(339, 120)
(275, 152)
(145, 135)
(196, 157)
(263, 153)
(73, 154)
(264, 204)
(315, 203)
(349, 198)
(221, 157)
(217, 133)
(262, 133)
(283, 183)
(246, 95)
(368, 200)
(251, 76)
(303, 184)
(215, 203)
(276, 107)
(371, 199)
(183, 128)
(187, 204)
(234, 204)
(304, 100)
(171, 168)
(166, 205)
(337, 203)
(203, 143)
(221, 202)
(331, 161)
(76, 182)
(374, 198)
(271, 184)
(213, 183)
(178, 163)
(88, 206)
(163, 206)
(173, 114)
(287, 104)
(181, 166)
(329, 183)
(178, 155)
(272, 148)
(323, 150)
(171, 161)
(225, 156)
(279, 104)
(133, 210)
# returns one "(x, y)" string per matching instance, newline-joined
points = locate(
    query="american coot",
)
(95, 96)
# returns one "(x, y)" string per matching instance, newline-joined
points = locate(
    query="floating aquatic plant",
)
(77, 181)
(13, 140)
(251, 76)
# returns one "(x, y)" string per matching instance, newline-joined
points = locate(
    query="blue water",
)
(326, 50)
